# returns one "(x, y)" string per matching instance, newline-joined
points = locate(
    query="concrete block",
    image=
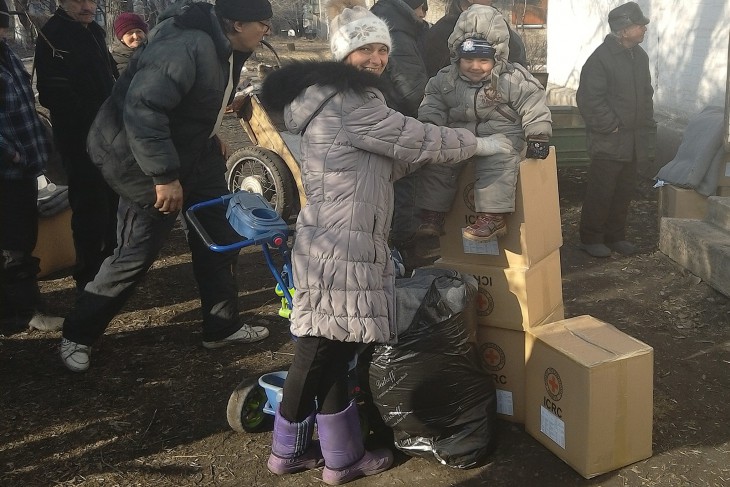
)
(699, 247)
(718, 212)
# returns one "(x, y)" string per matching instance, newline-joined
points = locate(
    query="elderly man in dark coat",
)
(615, 99)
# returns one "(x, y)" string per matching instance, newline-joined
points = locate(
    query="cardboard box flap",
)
(589, 341)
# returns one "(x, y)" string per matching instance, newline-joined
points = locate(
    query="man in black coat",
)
(75, 75)
(405, 76)
(404, 83)
(615, 99)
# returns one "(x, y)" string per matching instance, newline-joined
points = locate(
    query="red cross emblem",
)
(553, 384)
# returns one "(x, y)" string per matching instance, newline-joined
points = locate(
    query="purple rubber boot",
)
(292, 448)
(344, 454)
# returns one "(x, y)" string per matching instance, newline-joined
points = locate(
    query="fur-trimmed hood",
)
(284, 85)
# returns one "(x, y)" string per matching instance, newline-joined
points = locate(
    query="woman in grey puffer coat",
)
(353, 147)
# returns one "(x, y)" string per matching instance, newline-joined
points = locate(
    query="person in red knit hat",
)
(131, 31)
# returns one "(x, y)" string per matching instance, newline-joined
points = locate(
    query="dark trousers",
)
(319, 371)
(19, 292)
(406, 216)
(142, 231)
(93, 221)
(611, 187)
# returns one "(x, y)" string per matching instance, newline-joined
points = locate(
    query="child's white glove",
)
(494, 144)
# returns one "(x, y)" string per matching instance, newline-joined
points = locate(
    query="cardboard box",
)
(589, 395)
(676, 202)
(558, 314)
(514, 298)
(55, 245)
(503, 355)
(534, 230)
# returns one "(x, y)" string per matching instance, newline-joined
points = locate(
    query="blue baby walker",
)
(251, 216)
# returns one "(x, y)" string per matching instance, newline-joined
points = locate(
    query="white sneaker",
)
(245, 334)
(75, 356)
(44, 322)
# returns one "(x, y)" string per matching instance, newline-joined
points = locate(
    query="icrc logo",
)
(468, 195)
(492, 356)
(553, 384)
(485, 302)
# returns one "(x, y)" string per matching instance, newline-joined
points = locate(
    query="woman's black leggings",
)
(319, 371)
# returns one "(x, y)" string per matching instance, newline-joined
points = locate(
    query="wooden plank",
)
(262, 132)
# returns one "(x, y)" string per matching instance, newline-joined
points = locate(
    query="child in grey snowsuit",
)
(483, 92)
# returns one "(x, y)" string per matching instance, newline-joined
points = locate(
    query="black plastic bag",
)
(430, 387)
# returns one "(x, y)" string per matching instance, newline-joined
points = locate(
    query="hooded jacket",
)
(157, 124)
(510, 101)
(615, 99)
(405, 76)
(353, 147)
(75, 76)
(436, 47)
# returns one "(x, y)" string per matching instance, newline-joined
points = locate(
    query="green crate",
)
(569, 137)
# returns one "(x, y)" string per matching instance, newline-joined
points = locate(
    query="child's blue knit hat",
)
(476, 48)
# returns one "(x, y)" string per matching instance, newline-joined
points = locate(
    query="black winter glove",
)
(538, 147)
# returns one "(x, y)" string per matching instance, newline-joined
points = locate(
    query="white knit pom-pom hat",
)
(352, 26)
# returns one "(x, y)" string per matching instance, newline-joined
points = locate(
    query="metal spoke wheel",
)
(262, 171)
(245, 411)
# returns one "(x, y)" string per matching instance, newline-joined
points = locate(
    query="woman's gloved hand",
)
(494, 144)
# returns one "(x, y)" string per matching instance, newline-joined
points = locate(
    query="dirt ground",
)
(151, 410)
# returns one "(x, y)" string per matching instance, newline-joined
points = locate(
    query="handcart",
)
(269, 165)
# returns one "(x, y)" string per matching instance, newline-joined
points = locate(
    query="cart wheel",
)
(245, 411)
(262, 171)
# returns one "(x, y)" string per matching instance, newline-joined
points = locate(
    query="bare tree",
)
(288, 14)
(32, 15)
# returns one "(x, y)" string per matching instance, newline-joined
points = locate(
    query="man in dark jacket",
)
(405, 77)
(75, 75)
(404, 83)
(155, 142)
(436, 46)
(24, 149)
(615, 99)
